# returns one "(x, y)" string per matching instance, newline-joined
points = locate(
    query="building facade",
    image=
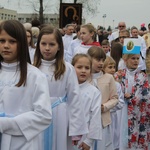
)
(7, 14)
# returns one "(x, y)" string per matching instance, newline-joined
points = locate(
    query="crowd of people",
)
(73, 88)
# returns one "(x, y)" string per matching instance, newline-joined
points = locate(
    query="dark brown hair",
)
(16, 30)
(109, 61)
(116, 52)
(59, 64)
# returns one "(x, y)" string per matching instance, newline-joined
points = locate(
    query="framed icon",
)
(70, 13)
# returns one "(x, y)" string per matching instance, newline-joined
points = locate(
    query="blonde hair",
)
(91, 29)
(125, 31)
(27, 26)
(78, 56)
(127, 56)
(109, 61)
(35, 31)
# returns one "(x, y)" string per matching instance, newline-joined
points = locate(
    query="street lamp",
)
(104, 16)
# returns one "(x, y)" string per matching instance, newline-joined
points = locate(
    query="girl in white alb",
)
(87, 35)
(68, 119)
(24, 101)
(91, 100)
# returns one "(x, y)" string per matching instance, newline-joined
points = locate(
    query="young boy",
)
(106, 47)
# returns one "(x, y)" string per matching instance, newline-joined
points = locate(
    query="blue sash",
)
(48, 133)
(95, 145)
(2, 114)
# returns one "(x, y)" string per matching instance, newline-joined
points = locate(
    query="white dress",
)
(79, 49)
(66, 42)
(114, 36)
(68, 117)
(121, 64)
(116, 114)
(82, 49)
(71, 49)
(91, 100)
(27, 108)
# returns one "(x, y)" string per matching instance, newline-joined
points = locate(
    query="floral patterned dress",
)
(138, 109)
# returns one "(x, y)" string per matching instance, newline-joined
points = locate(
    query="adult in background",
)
(73, 44)
(143, 28)
(115, 35)
(68, 37)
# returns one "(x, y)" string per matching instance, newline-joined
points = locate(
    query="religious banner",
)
(70, 13)
(131, 46)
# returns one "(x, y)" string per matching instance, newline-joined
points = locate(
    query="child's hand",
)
(84, 146)
(127, 95)
(75, 142)
(76, 139)
(118, 75)
(102, 108)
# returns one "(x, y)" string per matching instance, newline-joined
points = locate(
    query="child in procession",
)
(116, 113)
(106, 84)
(87, 35)
(136, 125)
(91, 100)
(24, 101)
(68, 118)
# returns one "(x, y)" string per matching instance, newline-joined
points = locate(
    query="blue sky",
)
(133, 12)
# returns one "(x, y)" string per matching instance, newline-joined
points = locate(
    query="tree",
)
(39, 6)
(41, 17)
(89, 7)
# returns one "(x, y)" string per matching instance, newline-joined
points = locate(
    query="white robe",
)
(91, 100)
(79, 49)
(82, 49)
(116, 113)
(68, 117)
(27, 108)
(71, 49)
(66, 42)
(114, 36)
